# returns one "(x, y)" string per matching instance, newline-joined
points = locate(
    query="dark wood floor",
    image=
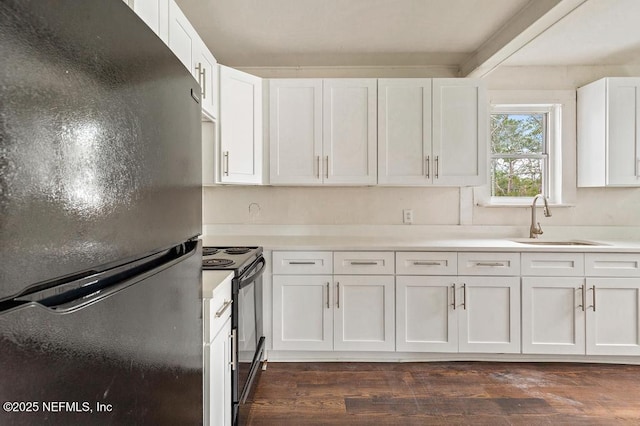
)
(458, 393)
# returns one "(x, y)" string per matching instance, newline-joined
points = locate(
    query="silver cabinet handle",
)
(202, 79)
(328, 295)
(204, 83)
(584, 297)
(594, 298)
(234, 346)
(225, 168)
(418, 263)
(296, 262)
(327, 170)
(437, 160)
(454, 296)
(338, 295)
(464, 296)
(428, 161)
(489, 264)
(223, 308)
(199, 73)
(359, 263)
(319, 166)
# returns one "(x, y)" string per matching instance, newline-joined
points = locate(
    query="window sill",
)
(522, 204)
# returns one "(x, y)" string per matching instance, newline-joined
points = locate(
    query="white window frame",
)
(561, 144)
(550, 113)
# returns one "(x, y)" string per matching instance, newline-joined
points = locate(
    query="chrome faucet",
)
(535, 228)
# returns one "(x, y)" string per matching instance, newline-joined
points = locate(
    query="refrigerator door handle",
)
(78, 294)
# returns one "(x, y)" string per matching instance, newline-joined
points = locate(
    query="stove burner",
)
(208, 251)
(217, 262)
(237, 250)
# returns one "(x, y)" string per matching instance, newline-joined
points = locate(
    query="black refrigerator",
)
(100, 210)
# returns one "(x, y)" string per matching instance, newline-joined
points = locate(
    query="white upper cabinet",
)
(183, 38)
(432, 132)
(155, 13)
(460, 132)
(349, 135)
(207, 70)
(240, 127)
(404, 131)
(323, 131)
(609, 133)
(187, 45)
(295, 131)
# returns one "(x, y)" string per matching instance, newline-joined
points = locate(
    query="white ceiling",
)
(473, 35)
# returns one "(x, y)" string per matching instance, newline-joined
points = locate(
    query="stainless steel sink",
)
(558, 243)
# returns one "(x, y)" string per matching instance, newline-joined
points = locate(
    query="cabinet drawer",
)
(302, 262)
(612, 264)
(217, 309)
(553, 264)
(363, 262)
(426, 263)
(488, 263)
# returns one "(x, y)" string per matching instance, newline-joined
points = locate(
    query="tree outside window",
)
(519, 156)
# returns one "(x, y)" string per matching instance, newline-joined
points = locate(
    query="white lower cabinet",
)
(426, 319)
(217, 350)
(489, 320)
(302, 312)
(342, 313)
(553, 315)
(364, 317)
(217, 382)
(458, 314)
(613, 316)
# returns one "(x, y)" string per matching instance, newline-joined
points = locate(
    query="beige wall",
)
(432, 206)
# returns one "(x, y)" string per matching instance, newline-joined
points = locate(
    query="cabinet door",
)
(404, 131)
(364, 313)
(183, 38)
(613, 316)
(553, 315)
(302, 312)
(295, 129)
(349, 131)
(426, 318)
(217, 378)
(489, 314)
(207, 75)
(623, 139)
(155, 13)
(460, 120)
(240, 127)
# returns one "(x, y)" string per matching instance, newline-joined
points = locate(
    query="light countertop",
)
(211, 280)
(300, 242)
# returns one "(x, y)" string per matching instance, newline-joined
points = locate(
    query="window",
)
(521, 138)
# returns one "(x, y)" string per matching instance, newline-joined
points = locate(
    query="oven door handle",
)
(261, 263)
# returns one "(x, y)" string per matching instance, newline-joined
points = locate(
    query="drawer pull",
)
(427, 263)
(223, 308)
(294, 262)
(490, 264)
(584, 297)
(363, 263)
(338, 298)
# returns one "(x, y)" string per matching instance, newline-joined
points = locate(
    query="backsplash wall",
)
(431, 206)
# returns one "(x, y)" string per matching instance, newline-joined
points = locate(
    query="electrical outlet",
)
(407, 216)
